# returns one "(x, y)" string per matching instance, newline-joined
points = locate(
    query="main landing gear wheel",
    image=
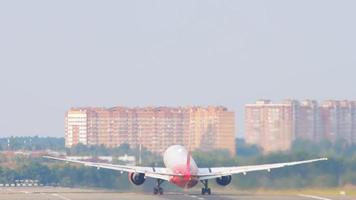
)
(205, 189)
(158, 189)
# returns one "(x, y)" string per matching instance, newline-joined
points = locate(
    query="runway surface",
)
(81, 194)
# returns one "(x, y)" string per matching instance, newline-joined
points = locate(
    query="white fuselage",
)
(179, 161)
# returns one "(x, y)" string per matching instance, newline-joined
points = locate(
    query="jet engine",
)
(137, 178)
(224, 180)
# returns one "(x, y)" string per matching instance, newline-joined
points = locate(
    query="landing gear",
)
(158, 189)
(205, 189)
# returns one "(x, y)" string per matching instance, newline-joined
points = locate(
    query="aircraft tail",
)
(188, 162)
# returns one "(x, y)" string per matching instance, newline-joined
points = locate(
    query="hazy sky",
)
(58, 54)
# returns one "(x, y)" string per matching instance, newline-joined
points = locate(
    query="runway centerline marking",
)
(61, 197)
(196, 197)
(313, 197)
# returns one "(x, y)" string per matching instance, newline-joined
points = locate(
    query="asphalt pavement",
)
(50, 193)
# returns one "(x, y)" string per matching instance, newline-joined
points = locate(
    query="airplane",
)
(181, 170)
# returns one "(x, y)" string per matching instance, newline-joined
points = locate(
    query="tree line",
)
(34, 143)
(339, 170)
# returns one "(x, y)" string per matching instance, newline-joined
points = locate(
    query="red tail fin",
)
(188, 162)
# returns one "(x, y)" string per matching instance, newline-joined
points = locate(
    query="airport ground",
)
(55, 193)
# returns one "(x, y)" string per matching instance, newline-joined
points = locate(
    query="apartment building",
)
(274, 126)
(155, 128)
(269, 125)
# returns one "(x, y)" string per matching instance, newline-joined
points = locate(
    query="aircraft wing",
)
(210, 173)
(153, 172)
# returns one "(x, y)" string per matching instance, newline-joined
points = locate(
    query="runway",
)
(51, 193)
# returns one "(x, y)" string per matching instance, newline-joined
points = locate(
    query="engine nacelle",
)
(137, 178)
(224, 180)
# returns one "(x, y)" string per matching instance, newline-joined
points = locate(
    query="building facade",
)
(76, 127)
(338, 120)
(269, 125)
(307, 121)
(274, 126)
(155, 128)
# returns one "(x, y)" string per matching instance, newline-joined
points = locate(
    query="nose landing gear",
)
(205, 189)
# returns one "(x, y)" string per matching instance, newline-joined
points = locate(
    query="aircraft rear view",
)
(181, 169)
(179, 161)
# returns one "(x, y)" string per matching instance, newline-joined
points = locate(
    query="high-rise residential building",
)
(271, 126)
(307, 120)
(76, 127)
(337, 120)
(155, 128)
(353, 114)
(329, 111)
(205, 123)
(274, 126)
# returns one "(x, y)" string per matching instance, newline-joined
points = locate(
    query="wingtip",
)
(49, 157)
(46, 156)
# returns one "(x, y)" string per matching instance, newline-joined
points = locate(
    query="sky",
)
(55, 55)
